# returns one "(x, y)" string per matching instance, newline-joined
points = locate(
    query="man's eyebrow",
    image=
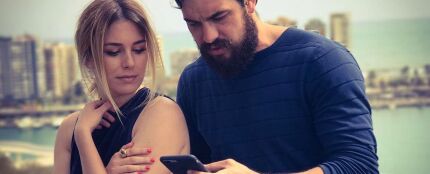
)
(218, 13)
(213, 16)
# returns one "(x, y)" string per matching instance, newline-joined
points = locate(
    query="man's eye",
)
(192, 24)
(219, 18)
(112, 53)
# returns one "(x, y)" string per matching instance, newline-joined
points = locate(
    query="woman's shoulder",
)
(160, 110)
(69, 121)
(65, 131)
(163, 108)
(66, 128)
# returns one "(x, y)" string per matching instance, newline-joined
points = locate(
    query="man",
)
(263, 98)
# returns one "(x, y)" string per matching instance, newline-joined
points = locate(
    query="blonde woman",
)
(117, 47)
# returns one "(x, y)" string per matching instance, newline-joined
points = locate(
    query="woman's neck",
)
(121, 99)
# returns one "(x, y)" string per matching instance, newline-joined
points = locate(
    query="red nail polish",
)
(149, 150)
(152, 160)
(147, 168)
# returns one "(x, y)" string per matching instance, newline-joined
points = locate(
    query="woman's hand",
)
(136, 161)
(91, 115)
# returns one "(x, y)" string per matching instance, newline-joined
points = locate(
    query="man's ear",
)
(250, 5)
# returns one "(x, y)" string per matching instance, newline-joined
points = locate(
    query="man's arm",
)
(342, 114)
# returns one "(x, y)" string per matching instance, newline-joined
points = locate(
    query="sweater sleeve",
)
(341, 113)
(184, 98)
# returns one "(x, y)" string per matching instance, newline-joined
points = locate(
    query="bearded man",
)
(265, 98)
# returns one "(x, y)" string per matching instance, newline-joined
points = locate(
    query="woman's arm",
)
(161, 126)
(62, 149)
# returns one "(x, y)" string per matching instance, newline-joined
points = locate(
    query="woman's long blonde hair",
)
(92, 26)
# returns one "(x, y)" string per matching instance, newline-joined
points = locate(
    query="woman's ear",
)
(89, 64)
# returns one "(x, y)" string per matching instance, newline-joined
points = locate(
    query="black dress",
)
(110, 140)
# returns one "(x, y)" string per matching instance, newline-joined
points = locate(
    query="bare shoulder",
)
(161, 116)
(65, 131)
(69, 121)
(164, 106)
(161, 110)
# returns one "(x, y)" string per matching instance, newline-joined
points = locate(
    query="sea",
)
(403, 134)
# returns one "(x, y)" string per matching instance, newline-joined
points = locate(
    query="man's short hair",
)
(179, 3)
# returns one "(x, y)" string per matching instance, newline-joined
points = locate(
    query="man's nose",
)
(210, 33)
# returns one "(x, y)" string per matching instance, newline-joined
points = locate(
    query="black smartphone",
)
(180, 164)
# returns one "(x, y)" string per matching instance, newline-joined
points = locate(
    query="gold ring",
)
(123, 153)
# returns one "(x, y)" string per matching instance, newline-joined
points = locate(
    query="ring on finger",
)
(123, 153)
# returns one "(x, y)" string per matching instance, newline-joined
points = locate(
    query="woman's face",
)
(125, 57)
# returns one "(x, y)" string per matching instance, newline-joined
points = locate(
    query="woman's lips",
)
(127, 78)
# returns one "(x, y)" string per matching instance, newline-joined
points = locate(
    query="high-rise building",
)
(5, 58)
(316, 25)
(62, 69)
(23, 69)
(180, 59)
(339, 25)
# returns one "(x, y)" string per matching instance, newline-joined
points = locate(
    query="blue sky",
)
(56, 19)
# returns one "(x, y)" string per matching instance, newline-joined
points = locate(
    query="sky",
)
(56, 19)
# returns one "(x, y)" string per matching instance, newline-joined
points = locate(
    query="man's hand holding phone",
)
(226, 166)
(182, 164)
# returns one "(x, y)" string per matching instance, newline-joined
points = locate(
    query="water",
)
(402, 136)
(403, 140)
(44, 136)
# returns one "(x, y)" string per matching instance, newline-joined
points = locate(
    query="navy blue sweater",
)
(301, 103)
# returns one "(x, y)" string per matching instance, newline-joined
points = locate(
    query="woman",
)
(116, 47)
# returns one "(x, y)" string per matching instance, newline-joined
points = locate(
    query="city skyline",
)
(55, 20)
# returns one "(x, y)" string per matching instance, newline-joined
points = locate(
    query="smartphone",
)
(180, 164)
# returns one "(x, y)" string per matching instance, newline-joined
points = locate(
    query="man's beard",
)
(242, 53)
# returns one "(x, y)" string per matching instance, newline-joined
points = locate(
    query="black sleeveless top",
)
(109, 140)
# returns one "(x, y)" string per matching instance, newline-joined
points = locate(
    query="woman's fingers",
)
(109, 117)
(136, 160)
(104, 107)
(131, 169)
(138, 151)
(128, 145)
(104, 123)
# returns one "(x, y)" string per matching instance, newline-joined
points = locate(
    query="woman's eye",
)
(138, 51)
(112, 53)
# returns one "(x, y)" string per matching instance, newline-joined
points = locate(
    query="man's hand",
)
(136, 161)
(228, 166)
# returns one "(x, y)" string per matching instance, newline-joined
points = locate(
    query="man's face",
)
(225, 34)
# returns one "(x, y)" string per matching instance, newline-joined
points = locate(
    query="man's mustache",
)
(220, 43)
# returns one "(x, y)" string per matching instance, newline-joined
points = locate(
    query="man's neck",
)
(267, 34)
